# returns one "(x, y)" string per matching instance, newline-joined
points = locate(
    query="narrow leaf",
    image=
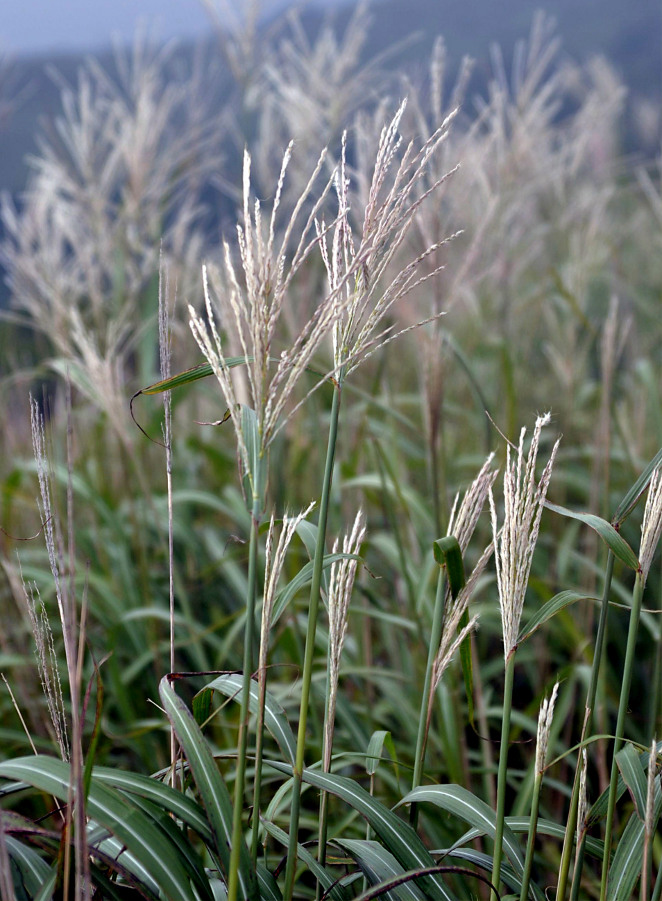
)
(327, 881)
(378, 741)
(633, 774)
(379, 865)
(549, 609)
(447, 552)
(275, 718)
(630, 500)
(398, 837)
(460, 802)
(137, 832)
(617, 544)
(212, 788)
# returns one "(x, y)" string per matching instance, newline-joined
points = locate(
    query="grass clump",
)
(262, 637)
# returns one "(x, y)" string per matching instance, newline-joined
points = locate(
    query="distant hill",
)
(628, 34)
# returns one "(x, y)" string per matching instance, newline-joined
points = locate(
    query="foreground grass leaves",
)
(148, 844)
(214, 795)
(397, 836)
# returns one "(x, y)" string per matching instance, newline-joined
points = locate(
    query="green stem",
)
(423, 718)
(257, 784)
(249, 640)
(530, 845)
(654, 710)
(503, 773)
(577, 875)
(628, 666)
(313, 608)
(327, 747)
(571, 822)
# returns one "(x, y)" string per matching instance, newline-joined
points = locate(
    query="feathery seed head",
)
(463, 519)
(341, 583)
(250, 303)
(544, 727)
(273, 566)
(515, 543)
(357, 268)
(651, 527)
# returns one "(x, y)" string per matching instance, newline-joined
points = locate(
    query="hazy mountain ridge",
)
(631, 42)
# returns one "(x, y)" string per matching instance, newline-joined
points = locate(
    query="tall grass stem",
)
(571, 823)
(249, 641)
(423, 717)
(313, 610)
(628, 665)
(502, 777)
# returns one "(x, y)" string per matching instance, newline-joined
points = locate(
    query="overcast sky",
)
(36, 26)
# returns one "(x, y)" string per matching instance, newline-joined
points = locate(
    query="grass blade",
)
(275, 718)
(618, 545)
(379, 865)
(398, 836)
(133, 828)
(460, 802)
(213, 792)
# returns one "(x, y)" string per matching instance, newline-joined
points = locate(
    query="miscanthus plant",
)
(353, 701)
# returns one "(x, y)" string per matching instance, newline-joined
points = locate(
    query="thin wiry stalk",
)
(273, 566)
(571, 821)
(50, 525)
(242, 743)
(544, 728)
(651, 529)
(165, 359)
(19, 714)
(341, 584)
(514, 545)
(443, 632)
(307, 673)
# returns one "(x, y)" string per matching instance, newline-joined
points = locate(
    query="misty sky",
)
(36, 26)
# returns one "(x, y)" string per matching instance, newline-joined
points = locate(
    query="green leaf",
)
(275, 719)
(379, 865)
(549, 609)
(257, 458)
(378, 741)
(302, 579)
(169, 799)
(202, 706)
(398, 837)
(508, 875)
(617, 544)
(213, 792)
(460, 802)
(327, 881)
(518, 825)
(269, 890)
(447, 552)
(630, 500)
(136, 831)
(33, 869)
(632, 771)
(625, 867)
(194, 374)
